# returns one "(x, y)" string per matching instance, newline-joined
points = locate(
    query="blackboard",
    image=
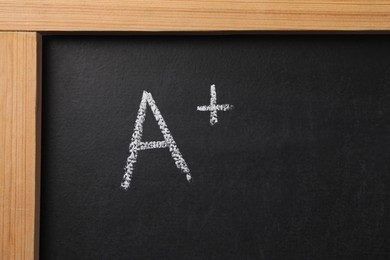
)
(298, 169)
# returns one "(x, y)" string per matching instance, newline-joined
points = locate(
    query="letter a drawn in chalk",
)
(136, 145)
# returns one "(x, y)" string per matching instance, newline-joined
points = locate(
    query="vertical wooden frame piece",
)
(19, 144)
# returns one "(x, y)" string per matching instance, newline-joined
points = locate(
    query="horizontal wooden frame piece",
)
(193, 15)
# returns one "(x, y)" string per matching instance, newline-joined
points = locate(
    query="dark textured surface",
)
(299, 170)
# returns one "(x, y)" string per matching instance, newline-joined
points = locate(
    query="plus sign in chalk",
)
(214, 107)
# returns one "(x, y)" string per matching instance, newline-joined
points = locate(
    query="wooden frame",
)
(23, 21)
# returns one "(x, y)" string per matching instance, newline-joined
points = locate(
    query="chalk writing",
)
(136, 145)
(213, 107)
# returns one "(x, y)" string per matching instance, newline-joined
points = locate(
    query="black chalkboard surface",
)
(298, 169)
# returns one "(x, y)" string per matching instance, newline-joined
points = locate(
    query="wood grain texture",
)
(193, 15)
(19, 145)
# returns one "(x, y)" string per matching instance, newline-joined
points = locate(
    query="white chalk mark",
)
(136, 144)
(152, 145)
(213, 107)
